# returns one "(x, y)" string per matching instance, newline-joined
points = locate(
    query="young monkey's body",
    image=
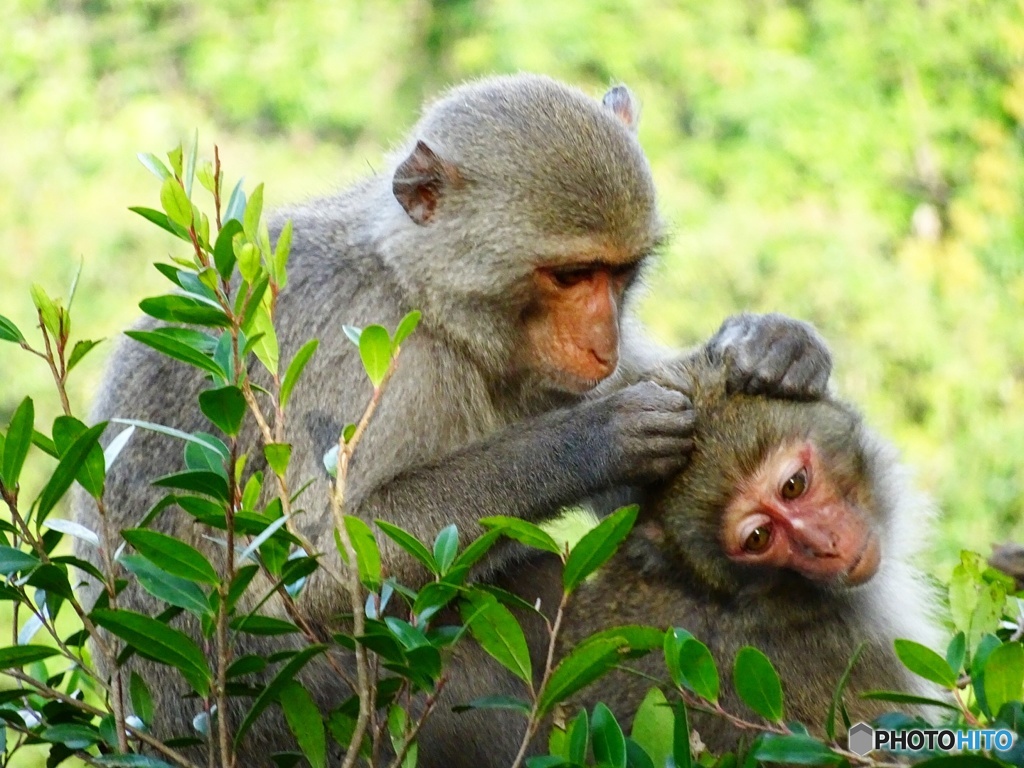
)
(791, 530)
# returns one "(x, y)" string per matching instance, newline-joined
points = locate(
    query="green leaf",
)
(173, 590)
(18, 656)
(224, 248)
(9, 331)
(173, 555)
(597, 545)
(254, 624)
(698, 669)
(190, 164)
(158, 642)
(410, 544)
(176, 349)
(636, 757)
(248, 257)
(587, 662)
(71, 462)
(498, 633)
(129, 761)
(17, 442)
(1004, 675)
(406, 327)
(225, 407)
(161, 220)
(273, 689)
(173, 308)
(375, 352)
(199, 458)
(757, 683)
(472, 554)
(837, 695)
(682, 752)
(253, 211)
(142, 701)
(209, 483)
(367, 553)
(265, 348)
(175, 156)
(154, 165)
(793, 749)
(986, 646)
(48, 309)
(66, 429)
(175, 203)
(72, 735)
(304, 718)
(352, 332)
(925, 662)
(207, 442)
(522, 531)
(236, 204)
(13, 560)
(907, 698)
(577, 742)
(446, 546)
(609, 744)
(53, 579)
(496, 702)
(673, 644)
(278, 455)
(652, 727)
(956, 651)
(80, 350)
(45, 444)
(281, 252)
(295, 368)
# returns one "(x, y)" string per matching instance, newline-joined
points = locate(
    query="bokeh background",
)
(855, 164)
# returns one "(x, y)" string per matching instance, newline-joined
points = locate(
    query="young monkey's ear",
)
(623, 104)
(421, 181)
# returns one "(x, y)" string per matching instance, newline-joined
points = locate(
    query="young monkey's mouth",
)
(865, 563)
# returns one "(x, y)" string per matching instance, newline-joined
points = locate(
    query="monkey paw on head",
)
(771, 354)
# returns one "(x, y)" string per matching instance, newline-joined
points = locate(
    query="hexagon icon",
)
(861, 738)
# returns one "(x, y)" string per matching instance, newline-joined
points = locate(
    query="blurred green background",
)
(855, 164)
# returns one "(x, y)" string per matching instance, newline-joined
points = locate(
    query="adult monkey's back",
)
(517, 219)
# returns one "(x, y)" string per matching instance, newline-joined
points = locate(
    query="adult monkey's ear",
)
(421, 181)
(623, 104)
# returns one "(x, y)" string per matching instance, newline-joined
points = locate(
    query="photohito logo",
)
(862, 738)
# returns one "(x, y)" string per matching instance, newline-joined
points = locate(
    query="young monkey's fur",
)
(676, 569)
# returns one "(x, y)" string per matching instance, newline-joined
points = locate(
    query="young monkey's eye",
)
(758, 539)
(795, 486)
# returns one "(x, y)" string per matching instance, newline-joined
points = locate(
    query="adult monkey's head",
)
(525, 210)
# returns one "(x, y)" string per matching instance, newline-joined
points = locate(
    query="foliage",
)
(856, 164)
(225, 290)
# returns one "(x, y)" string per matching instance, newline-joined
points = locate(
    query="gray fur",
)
(671, 572)
(526, 171)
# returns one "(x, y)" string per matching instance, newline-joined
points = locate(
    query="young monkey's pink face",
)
(790, 514)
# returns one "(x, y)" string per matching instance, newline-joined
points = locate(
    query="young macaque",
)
(792, 530)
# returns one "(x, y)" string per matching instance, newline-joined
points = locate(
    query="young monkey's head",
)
(777, 492)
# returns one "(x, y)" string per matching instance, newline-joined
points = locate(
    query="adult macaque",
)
(791, 530)
(517, 218)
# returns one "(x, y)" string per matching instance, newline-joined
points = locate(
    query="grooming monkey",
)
(518, 218)
(792, 530)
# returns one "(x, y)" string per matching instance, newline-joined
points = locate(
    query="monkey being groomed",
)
(792, 530)
(518, 217)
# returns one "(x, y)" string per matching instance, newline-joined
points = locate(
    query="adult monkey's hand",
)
(771, 355)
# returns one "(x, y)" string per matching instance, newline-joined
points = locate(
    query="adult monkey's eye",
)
(758, 539)
(795, 486)
(567, 278)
